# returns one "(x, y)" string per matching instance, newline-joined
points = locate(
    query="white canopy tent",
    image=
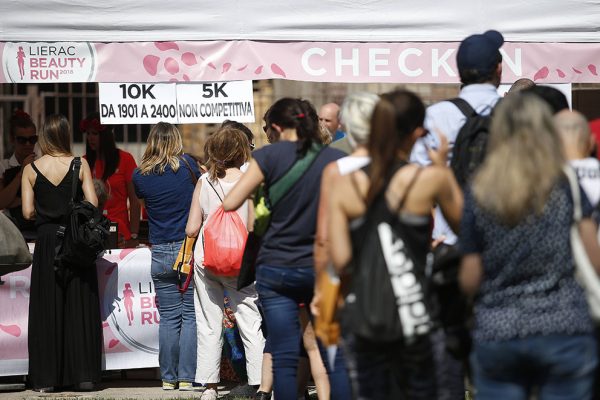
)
(300, 20)
(311, 40)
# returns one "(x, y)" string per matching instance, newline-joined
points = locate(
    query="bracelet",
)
(134, 236)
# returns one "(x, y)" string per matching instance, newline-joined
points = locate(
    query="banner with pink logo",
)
(128, 308)
(207, 61)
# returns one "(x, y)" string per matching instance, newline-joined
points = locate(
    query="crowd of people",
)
(346, 285)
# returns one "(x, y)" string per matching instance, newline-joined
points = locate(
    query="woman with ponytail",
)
(285, 274)
(226, 151)
(392, 370)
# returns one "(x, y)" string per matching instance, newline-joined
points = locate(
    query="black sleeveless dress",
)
(65, 333)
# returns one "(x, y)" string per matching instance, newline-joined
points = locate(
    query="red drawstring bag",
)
(225, 237)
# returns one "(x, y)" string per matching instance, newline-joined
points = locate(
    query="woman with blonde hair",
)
(532, 324)
(227, 150)
(165, 181)
(65, 338)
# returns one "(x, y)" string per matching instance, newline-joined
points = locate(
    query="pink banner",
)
(128, 308)
(409, 62)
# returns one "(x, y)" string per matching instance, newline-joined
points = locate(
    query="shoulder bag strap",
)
(76, 168)
(574, 184)
(189, 168)
(285, 183)
(463, 106)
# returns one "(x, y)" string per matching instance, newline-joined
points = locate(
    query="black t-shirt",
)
(290, 238)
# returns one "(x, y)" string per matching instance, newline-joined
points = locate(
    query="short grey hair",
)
(355, 115)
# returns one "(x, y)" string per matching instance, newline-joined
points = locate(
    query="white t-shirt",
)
(8, 163)
(350, 164)
(209, 202)
(588, 172)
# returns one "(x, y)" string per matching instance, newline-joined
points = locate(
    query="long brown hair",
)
(395, 118)
(165, 147)
(523, 162)
(55, 138)
(226, 148)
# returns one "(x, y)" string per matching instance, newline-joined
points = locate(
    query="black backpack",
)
(82, 239)
(375, 308)
(471, 143)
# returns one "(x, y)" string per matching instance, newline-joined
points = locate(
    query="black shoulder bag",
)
(82, 239)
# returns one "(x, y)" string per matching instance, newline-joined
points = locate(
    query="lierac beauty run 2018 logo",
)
(49, 62)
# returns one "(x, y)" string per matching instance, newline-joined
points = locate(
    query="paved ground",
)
(117, 389)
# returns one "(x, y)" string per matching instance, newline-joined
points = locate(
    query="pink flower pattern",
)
(155, 65)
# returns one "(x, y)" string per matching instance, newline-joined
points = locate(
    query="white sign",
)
(187, 103)
(565, 88)
(215, 102)
(137, 103)
(49, 62)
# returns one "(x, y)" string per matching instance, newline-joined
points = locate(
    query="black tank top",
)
(52, 202)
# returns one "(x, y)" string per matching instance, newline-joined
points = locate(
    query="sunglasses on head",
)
(24, 139)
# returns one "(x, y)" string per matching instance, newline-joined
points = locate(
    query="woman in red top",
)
(115, 168)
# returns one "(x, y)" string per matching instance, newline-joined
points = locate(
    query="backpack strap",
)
(463, 106)
(213, 188)
(408, 189)
(76, 167)
(284, 184)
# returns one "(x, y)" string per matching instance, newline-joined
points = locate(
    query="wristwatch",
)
(134, 236)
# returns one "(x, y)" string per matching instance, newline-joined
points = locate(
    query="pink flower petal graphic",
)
(189, 59)
(12, 330)
(173, 80)
(186, 78)
(211, 65)
(113, 343)
(541, 74)
(226, 67)
(277, 70)
(576, 70)
(105, 325)
(258, 70)
(164, 46)
(243, 68)
(560, 73)
(592, 69)
(151, 64)
(171, 65)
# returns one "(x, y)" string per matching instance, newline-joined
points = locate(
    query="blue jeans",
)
(281, 290)
(177, 331)
(559, 366)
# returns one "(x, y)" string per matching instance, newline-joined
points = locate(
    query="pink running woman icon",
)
(21, 61)
(128, 301)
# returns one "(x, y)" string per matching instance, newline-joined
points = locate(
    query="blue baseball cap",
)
(479, 51)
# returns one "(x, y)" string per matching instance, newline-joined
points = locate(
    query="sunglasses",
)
(24, 139)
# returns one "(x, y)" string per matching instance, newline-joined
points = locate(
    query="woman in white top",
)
(355, 114)
(227, 150)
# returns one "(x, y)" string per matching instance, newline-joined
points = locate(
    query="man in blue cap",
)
(479, 65)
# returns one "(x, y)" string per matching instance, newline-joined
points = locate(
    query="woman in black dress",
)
(65, 337)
